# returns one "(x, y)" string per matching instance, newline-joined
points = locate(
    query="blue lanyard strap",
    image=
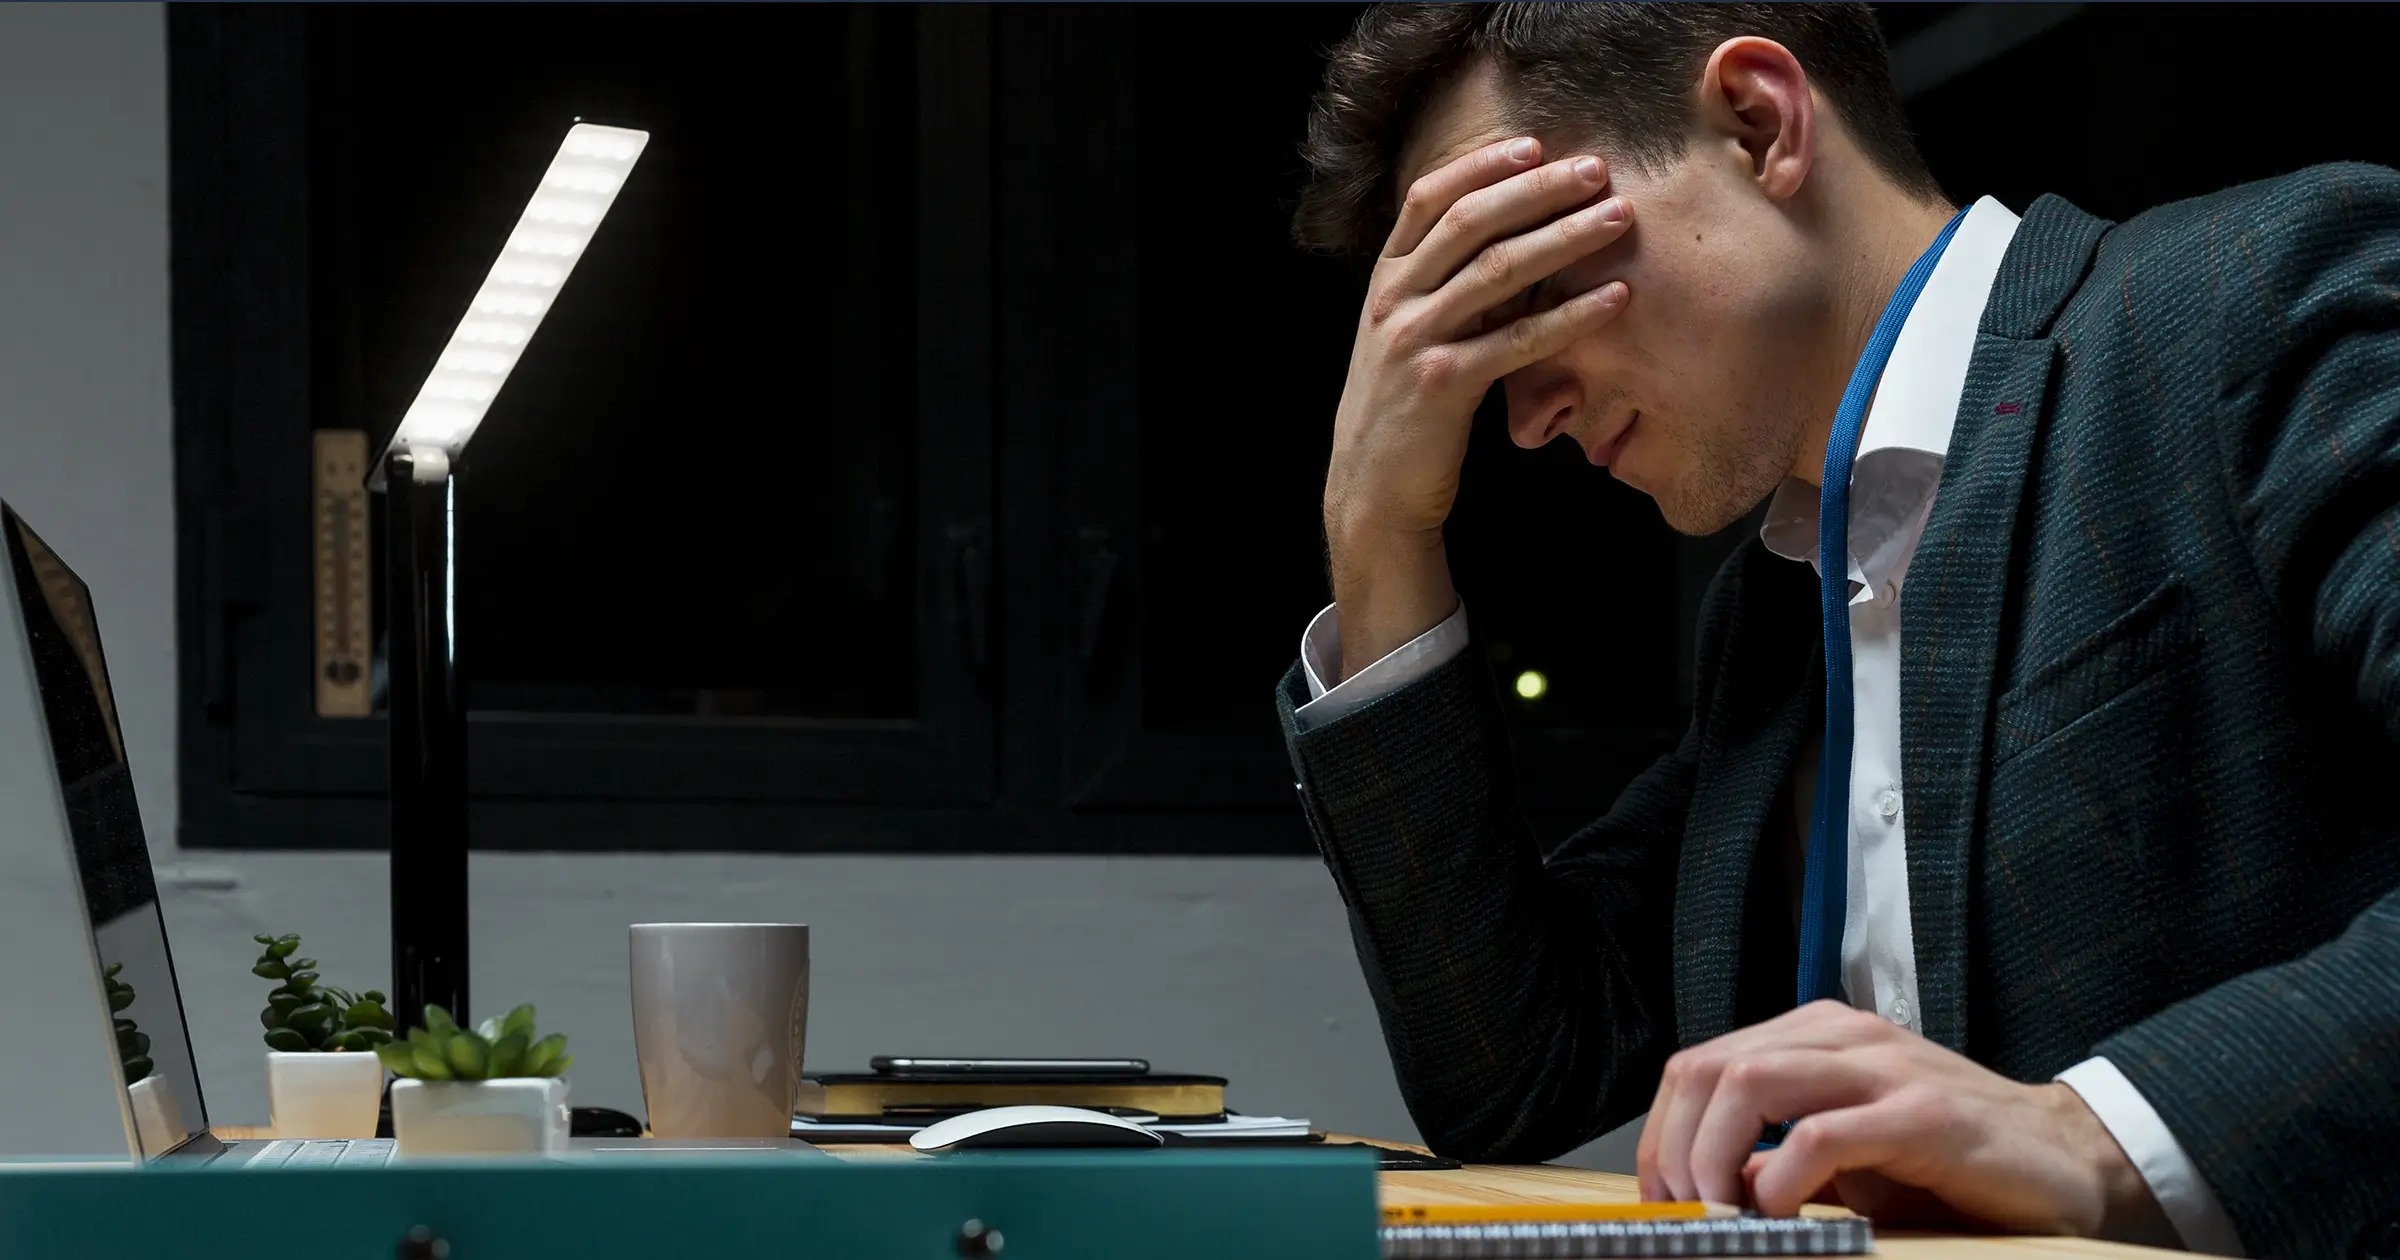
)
(1825, 885)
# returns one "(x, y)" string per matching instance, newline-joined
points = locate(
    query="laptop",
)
(128, 967)
(75, 879)
(61, 730)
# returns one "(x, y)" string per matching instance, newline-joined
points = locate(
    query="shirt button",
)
(1888, 804)
(1891, 592)
(1900, 1011)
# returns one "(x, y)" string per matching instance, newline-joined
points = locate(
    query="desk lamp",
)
(417, 477)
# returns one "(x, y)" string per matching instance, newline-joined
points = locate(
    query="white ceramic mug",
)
(720, 1016)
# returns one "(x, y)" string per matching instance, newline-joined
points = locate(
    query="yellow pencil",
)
(1527, 1213)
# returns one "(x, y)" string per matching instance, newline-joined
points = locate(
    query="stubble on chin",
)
(1730, 466)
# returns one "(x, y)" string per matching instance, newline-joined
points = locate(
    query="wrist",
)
(2127, 1210)
(1390, 587)
(1364, 550)
(1375, 520)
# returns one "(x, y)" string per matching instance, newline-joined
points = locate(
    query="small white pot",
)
(518, 1116)
(324, 1094)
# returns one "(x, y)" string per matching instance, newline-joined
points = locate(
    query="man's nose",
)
(1540, 409)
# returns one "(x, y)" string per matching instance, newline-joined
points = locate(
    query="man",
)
(2099, 860)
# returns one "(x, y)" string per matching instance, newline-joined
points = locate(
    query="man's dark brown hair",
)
(1619, 74)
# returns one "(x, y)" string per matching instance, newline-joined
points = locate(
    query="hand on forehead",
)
(1461, 118)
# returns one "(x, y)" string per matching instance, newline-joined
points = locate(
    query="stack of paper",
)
(1232, 1128)
(1236, 1126)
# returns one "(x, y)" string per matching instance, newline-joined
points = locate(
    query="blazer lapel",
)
(1958, 589)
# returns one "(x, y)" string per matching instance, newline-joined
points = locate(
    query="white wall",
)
(85, 449)
(1238, 966)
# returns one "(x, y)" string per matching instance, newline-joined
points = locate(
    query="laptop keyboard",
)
(326, 1153)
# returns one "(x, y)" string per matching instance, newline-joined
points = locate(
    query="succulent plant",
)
(302, 1015)
(496, 1049)
(133, 1045)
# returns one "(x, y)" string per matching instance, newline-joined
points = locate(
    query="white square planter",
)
(521, 1116)
(324, 1094)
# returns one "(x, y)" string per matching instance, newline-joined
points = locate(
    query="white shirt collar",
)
(1906, 438)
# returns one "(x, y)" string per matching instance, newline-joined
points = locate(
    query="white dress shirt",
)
(1897, 471)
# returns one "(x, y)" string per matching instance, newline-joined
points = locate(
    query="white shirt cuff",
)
(2191, 1206)
(1321, 658)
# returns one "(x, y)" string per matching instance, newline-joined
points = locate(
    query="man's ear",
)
(1754, 95)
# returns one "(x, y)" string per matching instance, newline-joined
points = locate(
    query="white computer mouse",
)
(998, 1127)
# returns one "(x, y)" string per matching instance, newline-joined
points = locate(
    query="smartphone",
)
(894, 1065)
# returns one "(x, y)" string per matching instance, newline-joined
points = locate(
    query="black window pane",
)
(1244, 343)
(696, 494)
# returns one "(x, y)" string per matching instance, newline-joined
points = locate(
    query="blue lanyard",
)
(1825, 886)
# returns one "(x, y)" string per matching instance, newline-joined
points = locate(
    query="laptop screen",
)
(130, 935)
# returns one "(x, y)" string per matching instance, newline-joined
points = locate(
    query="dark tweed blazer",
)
(2150, 708)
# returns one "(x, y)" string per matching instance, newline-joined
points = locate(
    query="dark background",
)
(926, 454)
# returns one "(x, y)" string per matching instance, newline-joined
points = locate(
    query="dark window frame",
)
(260, 769)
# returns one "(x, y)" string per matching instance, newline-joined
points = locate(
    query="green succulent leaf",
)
(263, 939)
(376, 996)
(519, 1020)
(271, 970)
(430, 1065)
(286, 1039)
(468, 1054)
(312, 1019)
(372, 1037)
(300, 981)
(543, 1054)
(560, 1067)
(124, 1025)
(119, 998)
(489, 1029)
(136, 1069)
(421, 1036)
(508, 1056)
(285, 1002)
(367, 1015)
(113, 969)
(398, 1056)
(439, 1020)
(284, 947)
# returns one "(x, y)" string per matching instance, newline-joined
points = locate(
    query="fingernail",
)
(1523, 150)
(1588, 170)
(1612, 210)
(1612, 293)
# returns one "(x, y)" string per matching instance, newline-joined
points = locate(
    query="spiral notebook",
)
(1717, 1236)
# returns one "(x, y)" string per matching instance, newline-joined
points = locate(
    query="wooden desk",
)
(1549, 1183)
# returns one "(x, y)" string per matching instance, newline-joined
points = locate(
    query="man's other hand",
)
(1442, 322)
(1889, 1125)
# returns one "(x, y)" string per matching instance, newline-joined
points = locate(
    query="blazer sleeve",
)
(2284, 1084)
(1526, 1002)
